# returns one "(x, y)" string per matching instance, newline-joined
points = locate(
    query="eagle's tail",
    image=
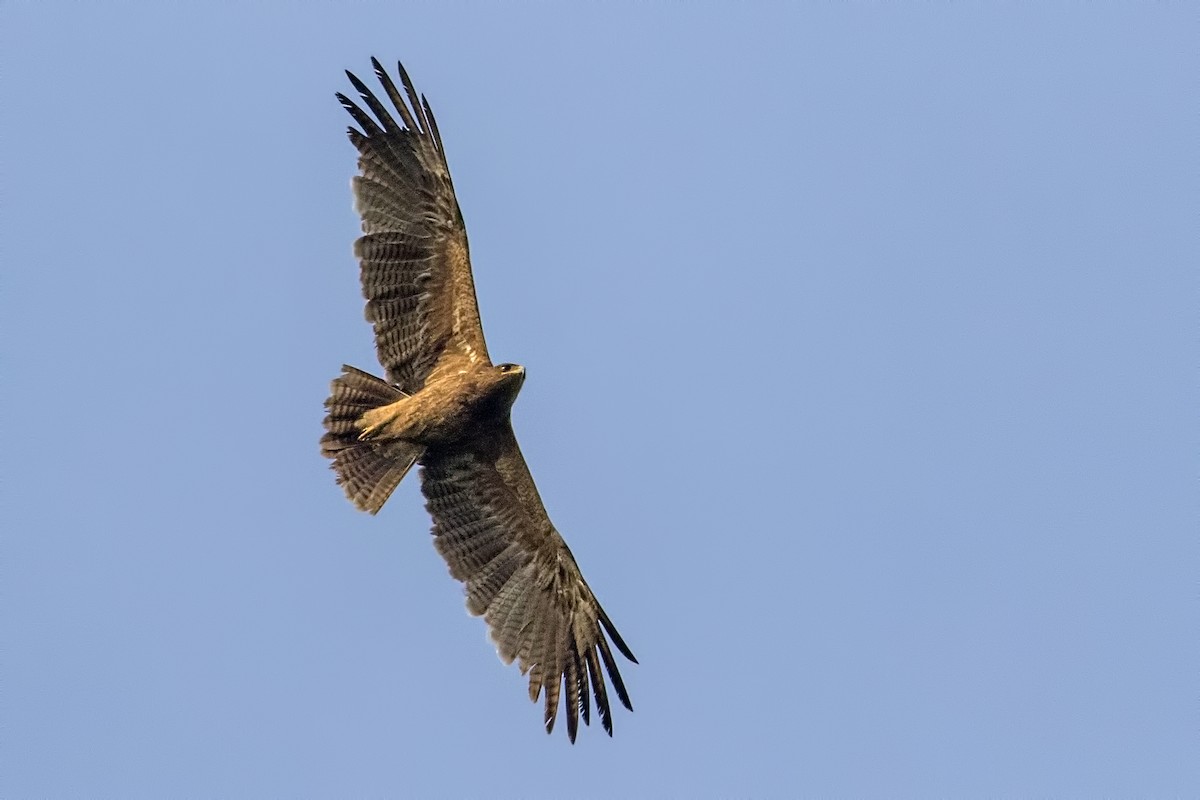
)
(368, 470)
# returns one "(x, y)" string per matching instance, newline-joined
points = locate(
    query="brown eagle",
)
(446, 407)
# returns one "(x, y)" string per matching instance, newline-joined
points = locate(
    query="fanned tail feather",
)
(369, 471)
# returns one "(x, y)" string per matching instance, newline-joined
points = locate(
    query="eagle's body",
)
(446, 407)
(449, 409)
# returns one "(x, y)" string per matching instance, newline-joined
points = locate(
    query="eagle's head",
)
(509, 378)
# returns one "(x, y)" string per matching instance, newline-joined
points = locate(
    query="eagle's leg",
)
(392, 421)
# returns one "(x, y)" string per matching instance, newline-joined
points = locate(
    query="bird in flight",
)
(446, 407)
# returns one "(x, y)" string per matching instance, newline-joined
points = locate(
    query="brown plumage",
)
(445, 406)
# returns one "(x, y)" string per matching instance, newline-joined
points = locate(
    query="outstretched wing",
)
(416, 268)
(492, 529)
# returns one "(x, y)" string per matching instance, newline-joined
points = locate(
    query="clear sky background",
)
(861, 344)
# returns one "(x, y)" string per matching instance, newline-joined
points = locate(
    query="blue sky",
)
(861, 351)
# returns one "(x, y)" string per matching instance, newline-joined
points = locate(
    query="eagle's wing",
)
(416, 268)
(492, 529)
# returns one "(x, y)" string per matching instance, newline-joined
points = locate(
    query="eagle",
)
(447, 407)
